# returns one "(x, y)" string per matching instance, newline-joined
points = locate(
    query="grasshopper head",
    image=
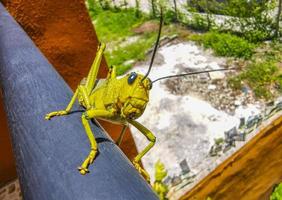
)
(138, 80)
(138, 86)
(135, 94)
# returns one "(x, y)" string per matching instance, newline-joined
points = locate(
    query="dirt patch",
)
(147, 27)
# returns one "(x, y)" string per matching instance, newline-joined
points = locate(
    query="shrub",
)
(93, 8)
(261, 77)
(135, 51)
(277, 193)
(111, 25)
(225, 44)
(198, 22)
(250, 18)
(169, 16)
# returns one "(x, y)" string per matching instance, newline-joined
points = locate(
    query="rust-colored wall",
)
(250, 174)
(64, 33)
(7, 163)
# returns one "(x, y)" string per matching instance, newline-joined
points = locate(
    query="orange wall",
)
(7, 164)
(64, 33)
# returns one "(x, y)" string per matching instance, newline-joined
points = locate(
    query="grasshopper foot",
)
(55, 113)
(142, 171)
(83, 169)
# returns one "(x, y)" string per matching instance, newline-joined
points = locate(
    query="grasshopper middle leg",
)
(119, 140)
(83, 169)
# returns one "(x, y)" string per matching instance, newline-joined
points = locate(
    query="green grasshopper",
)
(120, 100)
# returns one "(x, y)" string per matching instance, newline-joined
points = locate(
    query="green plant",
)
(93, 8)
(198, 22)
(226, 44)
(112, 25)
(159, 186)
(218, 141)
(250, 19)
(212, 6)
(261, 77)
(134, 51)
(169, 16)
(277, 193)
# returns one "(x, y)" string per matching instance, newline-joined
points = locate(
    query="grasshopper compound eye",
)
(132, 77)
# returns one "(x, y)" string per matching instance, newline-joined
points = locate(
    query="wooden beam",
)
(249, 174)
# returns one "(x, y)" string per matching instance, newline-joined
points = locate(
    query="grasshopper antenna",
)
(156, 46)
(192, 73)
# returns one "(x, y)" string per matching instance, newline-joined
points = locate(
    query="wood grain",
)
(250, 174)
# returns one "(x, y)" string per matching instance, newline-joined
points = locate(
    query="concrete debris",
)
(186, 114)
(211, 87)
(240, 137)
(184, 167)
(176, 180)
(231, 133)
(253, 121)
(215, 76)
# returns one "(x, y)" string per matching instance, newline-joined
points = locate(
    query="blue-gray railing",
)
(48, 152)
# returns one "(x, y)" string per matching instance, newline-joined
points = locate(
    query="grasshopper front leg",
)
(149, 135)
(84, 89)
(62, 112)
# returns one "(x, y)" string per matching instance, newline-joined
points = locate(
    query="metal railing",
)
(48, 153)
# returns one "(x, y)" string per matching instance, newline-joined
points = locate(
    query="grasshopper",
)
(119, 100)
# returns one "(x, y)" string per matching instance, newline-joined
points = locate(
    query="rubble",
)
(196, 120)
(184, 167)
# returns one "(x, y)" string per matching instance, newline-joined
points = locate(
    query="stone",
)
(245, 90)
(176, 180)
(213, 65)
(271, 103)
(253, 121)
(216, 75)
(215, 149)
(242, 122)
(240, 137)
(211, 87)
(184, 166)
(11, 188)
(278, 106)
(167, 180)
(231, 133)
(227, 148)
(237, 103)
